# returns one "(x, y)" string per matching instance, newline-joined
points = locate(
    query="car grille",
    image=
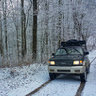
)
(63, 70)
(64, 63)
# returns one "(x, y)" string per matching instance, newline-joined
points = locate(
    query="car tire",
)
(83, 77)
(52, 76)
(88, 69)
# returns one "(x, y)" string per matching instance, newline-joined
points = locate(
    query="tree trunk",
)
(23, 28)
(4, 6)
(17, 30)
(59, 22)
(1, 42)
(34, 29)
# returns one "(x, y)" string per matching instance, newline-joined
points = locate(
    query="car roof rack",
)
(73, 42)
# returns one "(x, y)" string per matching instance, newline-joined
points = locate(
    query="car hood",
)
(67, 57)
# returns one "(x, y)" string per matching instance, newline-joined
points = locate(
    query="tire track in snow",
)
(63, 85)
(37, 89)
(82, 84)
(80, 89)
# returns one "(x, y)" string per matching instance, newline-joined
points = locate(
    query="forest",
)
(31, 30)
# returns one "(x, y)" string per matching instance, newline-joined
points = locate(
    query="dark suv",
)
(70, 58)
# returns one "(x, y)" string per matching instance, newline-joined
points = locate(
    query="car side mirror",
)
(53, 54)
(86, 53)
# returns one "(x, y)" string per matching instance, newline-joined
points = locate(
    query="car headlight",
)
(77, 62)
(51, 62)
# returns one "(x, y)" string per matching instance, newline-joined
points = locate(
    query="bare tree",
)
(59, 23)
(34, 29)
(46, 35)
(1, 42)
(15, 17)
(4, 7)
(23, 28)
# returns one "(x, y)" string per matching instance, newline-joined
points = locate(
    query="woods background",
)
(31, 30)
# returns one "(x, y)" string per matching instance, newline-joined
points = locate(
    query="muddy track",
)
(80, 89)
(37, 89)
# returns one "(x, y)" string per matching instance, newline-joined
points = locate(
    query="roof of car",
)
(73, 42)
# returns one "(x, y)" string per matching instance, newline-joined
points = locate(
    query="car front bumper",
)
(67, 70)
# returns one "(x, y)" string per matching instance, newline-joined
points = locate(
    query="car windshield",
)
(69, 50)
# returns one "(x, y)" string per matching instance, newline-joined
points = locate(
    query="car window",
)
(69, 50)
(61, 52)
(74, 50)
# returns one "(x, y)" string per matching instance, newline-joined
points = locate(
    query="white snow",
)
(27, 78)
(24, 80)
(62, 86)
(90, 87)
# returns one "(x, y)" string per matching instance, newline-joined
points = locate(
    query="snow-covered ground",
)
(24, 80)
(62, 86)
(27, 78)
(90, 87)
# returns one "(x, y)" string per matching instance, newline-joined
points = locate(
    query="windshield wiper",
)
(77, 50)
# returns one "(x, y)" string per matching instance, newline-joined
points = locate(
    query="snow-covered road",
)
(90, 86)
(62, 86)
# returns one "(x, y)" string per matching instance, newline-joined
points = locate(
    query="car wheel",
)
(88, 69)
(83, 77)
(52, 76)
